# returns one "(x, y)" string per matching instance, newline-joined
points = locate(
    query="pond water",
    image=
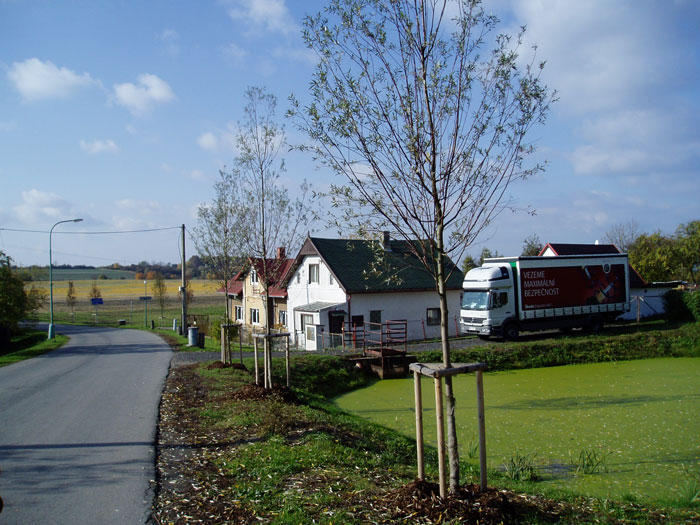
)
(642, 416)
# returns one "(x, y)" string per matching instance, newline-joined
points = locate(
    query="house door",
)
(335, 325)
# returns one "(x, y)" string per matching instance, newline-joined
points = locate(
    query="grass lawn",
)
(28, 344)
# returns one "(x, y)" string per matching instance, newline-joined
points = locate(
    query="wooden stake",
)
(255, 351)
(266, 384)
(286, 357)
(482, 429)
(419, 424)
(269, 361)
(440, 436)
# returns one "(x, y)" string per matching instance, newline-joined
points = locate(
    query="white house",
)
(338, 285)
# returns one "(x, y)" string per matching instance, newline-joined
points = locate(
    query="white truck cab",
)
(488, 300)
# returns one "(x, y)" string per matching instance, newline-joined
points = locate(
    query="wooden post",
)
(440, 436)
(269, 361)
(255, 351)
(265, 365)
(223, 345)
(286, 358)
(419, 424)
(482, 429)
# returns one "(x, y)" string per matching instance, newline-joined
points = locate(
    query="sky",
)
(123, 112)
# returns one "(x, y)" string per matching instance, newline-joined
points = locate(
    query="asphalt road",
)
(78, 427)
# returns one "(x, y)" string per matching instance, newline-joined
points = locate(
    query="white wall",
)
(650, 304)
(410, 306)
(302, 292)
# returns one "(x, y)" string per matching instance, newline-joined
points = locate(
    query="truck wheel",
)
(595, 325)
(483, 337)
(510, 332)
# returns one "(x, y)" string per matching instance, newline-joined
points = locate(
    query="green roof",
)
(364, 266)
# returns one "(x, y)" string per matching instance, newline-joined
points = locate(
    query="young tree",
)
(160, 292)
(532, 245)
(71, 298)
(277, 220)
(95, 292)
(425, 113)
(220, 226)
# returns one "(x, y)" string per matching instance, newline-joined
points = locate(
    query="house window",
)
(313, 273)
(331, 280)
(357, 321)
(298, 277)
(238, 313)
(253, 277)
(283, 317)
(433, 316)
(306, 319)
(254, 316)
(375, 319)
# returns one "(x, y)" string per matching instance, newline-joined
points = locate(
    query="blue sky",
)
(123, 112)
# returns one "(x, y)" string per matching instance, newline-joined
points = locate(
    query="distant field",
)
(123, 288)
(89, 274)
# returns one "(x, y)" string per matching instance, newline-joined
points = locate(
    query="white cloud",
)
(234, 54)
(219, 140)
(99, 146)
(140, 98)
(42, 208)
(196, 175)
(272, 15)
(208, 141)
(37, 80)
(139, 206)
(171, 42)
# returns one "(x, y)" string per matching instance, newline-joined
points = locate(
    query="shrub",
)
(215, 329)
(692, 303)
(675, 306)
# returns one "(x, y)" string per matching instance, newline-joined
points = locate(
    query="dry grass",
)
(124, 288)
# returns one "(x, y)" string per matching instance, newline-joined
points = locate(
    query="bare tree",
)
(622, 235)
(276, 220)
(424, 112)
(220, 225)
(160, 292)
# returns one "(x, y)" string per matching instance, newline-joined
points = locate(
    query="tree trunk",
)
(452, 444)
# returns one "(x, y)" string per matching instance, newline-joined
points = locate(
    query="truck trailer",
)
(508, 295)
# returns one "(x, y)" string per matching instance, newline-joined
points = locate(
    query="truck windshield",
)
(475, 300)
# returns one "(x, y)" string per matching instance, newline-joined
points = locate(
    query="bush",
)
(215, 330)
(675, 306)
(692, 303)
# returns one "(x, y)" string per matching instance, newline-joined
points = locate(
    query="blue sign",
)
(145, 298)
(97, 300)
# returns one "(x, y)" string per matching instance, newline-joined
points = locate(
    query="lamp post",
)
(51, 332)
(145, 300)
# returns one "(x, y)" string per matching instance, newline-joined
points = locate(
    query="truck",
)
(509, 295)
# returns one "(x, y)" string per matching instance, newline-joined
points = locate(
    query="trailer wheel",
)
(510, 332)
(595, 325)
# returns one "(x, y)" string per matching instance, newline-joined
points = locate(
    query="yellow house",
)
(247, 293)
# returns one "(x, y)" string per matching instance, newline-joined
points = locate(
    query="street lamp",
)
(51, 334)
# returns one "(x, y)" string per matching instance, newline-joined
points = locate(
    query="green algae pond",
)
(639, 420)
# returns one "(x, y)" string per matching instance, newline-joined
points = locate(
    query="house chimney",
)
(386, 241)
(281, 254)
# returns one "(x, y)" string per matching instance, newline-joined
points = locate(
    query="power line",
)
(93, 233)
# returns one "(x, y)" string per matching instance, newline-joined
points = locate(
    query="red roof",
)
(277, 288)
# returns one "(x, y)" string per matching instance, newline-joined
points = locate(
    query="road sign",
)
(145, 298)
(96, 300)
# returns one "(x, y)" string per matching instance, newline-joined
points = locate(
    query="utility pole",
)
(183, 328)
